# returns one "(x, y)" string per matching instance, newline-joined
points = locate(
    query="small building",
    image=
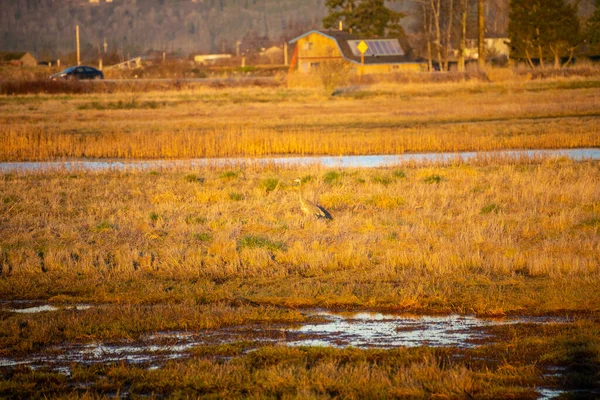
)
(496, 47)
(211, 59)
(18, 59)
(322, 46)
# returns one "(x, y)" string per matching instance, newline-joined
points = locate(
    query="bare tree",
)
(481, 33)
(427, 34)
(435, 6)
(438, 29)
(448, 42)
(463, 35)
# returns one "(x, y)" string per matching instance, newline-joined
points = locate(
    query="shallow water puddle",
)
(362, 330)
(47, 307)
(330, 329)
(366, 330)
(152, 350)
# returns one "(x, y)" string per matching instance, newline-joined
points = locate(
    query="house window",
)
(308, 46)
(315, 65)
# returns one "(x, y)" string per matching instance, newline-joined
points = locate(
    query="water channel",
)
(371, 161)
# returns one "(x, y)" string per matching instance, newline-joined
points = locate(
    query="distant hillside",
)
(47, 27)
(132, 27)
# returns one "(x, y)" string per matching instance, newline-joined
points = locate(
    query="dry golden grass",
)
(378, 119)
(488, 239)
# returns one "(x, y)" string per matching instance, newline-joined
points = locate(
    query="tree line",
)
(540, 32)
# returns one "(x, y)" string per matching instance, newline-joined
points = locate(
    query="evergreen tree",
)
(366, 18)
(543, 29)
(592, 31)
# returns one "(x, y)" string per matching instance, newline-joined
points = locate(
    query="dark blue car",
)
(80, 72)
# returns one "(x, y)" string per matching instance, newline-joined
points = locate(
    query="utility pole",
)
(77, 39)
(481, 34)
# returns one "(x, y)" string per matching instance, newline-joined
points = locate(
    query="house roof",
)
(12, 55)
(341, 38)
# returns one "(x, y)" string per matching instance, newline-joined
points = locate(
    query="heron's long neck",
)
(300, 194)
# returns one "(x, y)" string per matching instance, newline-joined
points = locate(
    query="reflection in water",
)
(326, 161)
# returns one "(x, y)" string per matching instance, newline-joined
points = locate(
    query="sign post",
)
(362, 47)
(77, 40)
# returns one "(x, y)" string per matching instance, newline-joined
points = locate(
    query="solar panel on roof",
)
(386, 48)
(378, 47)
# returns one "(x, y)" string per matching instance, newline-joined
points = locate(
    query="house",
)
(19, 59)
(496, 47)
(323, 46)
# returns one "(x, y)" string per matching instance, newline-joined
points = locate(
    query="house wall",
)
(392, 68)
(315, 49)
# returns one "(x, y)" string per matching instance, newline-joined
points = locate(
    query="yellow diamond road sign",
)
(362, 47)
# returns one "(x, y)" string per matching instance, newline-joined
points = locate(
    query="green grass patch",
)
(194, 220)
(236, 196)
(229, 175)
(398, 174)
(193, 178)
(382, 180)
(103, 226)
(489, 208)
(203, 237)
(433, 179)
(332, 177)
(269, 184)
(260, 242)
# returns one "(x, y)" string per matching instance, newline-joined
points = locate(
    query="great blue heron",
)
(310, 208)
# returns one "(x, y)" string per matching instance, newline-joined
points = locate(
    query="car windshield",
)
(66, 71)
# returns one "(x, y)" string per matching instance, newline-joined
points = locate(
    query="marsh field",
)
(466, 279)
